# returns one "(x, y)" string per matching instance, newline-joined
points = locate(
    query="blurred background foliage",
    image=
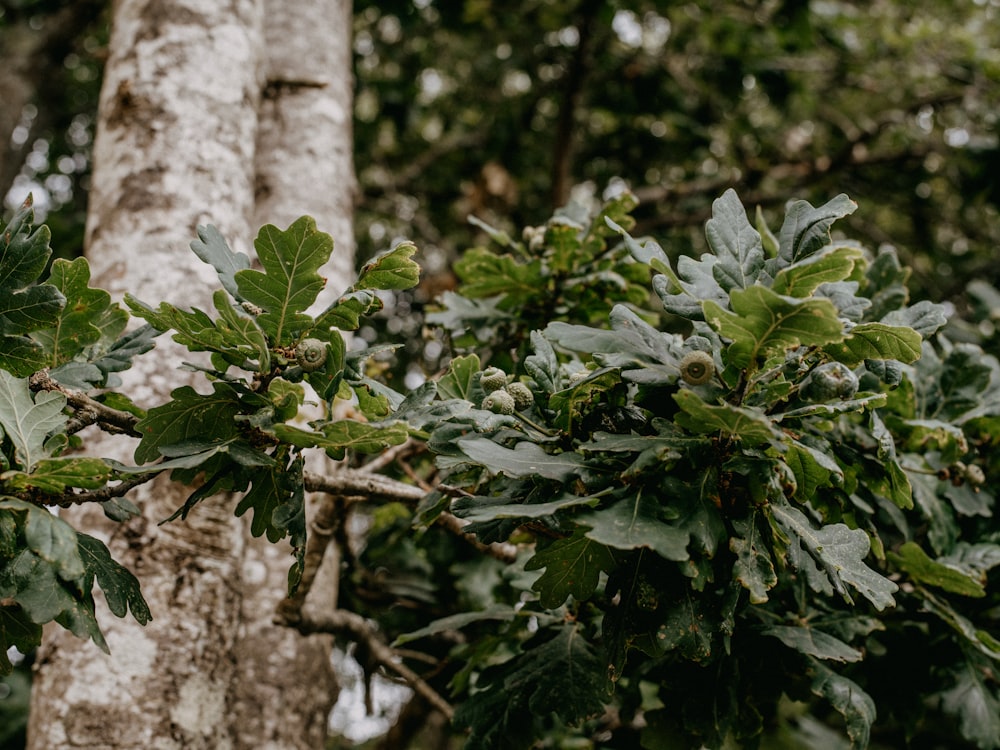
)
(506, 110)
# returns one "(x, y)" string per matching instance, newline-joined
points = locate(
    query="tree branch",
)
(89, 411)
(357, 628)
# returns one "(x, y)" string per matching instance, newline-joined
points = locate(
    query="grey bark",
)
(303, 166)
(177, 146)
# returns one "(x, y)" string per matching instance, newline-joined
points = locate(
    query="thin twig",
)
(106, 493)
(111, 420)
(502, 551)
(359, 629)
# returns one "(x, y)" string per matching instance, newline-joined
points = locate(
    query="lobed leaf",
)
(572, 566)
(29, 419)
(24, 306)
(54, 475)
(485, 274)
(833, 264)
(806, 229)
(753, 567)
(849, 700)
(747, 425)
(188, 415)
(79, 323)
(840, 552)
(392, 269)
(913, 561)
(876, 341)
(345, 434)
(213, 249)
(634, 523)
(289, 282)
(736, 244)
(763, 323)
(121, 588)
(807, 640)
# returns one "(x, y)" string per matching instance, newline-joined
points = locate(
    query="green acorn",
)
(493, 379)
(523, 397)
(829, 381)
(311, 354)
(697, 367)
(499, 402)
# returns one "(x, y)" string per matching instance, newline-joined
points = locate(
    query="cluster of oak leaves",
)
(748, 504)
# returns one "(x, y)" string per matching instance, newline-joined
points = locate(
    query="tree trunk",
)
(304, 166)
(177, 146)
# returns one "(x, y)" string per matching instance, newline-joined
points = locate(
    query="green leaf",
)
(346, 434)
(542, 364)
(24, 306)
(21, 356)
(975, 704)
(552, 677)
(685, 292)
(241, 332)
(572, 568)
(913, 561)
(213, 249)
(753, 567)
(894, 484)
(633, 523)
(485, 274)
(806, 229)
(688, 627)
(840, 551)
(270, 490)
(78, 323)
(457, 382)
(763, 323)
(121, 588)
(524, 460)
(289, 282)
(812, 469)
(812, 642)
(478, 509)
(34, 584)
(54, 475)
(188, 415)
(16, 631)
(925, 317)
(455, 622)
(121, 353)
(735, 242)
(748, 425)
(849, 700)
(876, 341)
(346, 312)
(50, 538)
(801, 279)
(393, 269)
(29, 420)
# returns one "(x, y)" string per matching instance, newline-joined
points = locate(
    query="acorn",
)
(493, 379)
(697, 367)
(829, 381)
(499, 402)
(523, 397)
(311, 354)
